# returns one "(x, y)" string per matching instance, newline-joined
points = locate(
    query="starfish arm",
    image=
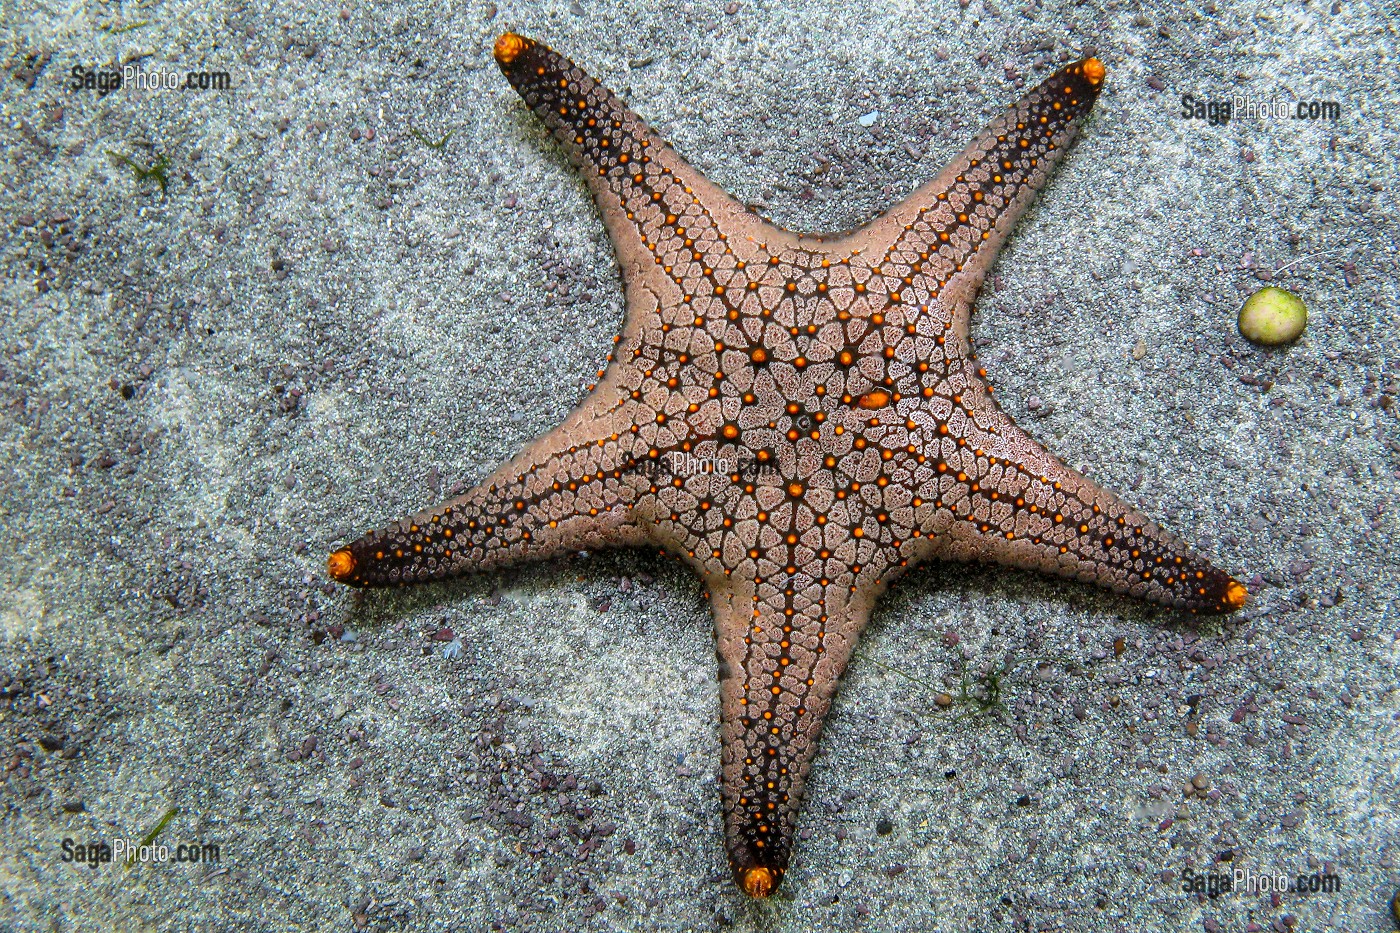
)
(1001, 496)
(667, 222)
(940, 242)
(570, 490)
(782, 650)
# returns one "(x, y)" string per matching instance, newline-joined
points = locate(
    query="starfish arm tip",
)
(508, 48)
(341, 565)
(1094, 70)
(758, 881)
(1236, 595)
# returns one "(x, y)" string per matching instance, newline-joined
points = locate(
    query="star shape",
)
(801, 418)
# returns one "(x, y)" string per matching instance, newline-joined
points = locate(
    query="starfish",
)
(800, 418)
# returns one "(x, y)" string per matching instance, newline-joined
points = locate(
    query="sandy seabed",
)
(369, 277)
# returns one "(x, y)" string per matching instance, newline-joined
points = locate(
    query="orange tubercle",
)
(1236, 595)
(341, 564)
(758, 881)
(1094, 70)
(877, 399)
(508, 47)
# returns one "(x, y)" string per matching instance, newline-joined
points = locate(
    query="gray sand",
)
(312, 332)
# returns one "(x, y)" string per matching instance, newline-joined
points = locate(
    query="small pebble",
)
(1272, 317)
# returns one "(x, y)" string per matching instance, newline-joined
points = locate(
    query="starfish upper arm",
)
(661, 214)
(943, 238)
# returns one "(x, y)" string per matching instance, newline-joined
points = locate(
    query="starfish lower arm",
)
(781, 654)
(1010, 501)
